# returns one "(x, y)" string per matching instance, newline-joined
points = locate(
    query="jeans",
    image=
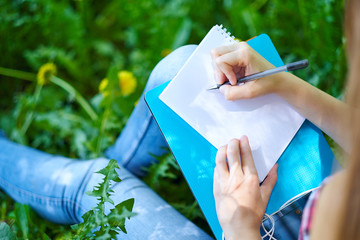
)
(55, 186)
(287, 221)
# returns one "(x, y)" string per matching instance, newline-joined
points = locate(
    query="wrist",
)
(244, 235)
(284, 84)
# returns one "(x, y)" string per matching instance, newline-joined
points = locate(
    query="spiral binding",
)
(223, 31)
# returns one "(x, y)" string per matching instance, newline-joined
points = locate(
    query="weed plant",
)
(64, 63)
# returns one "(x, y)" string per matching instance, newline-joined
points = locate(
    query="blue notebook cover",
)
(304, 164)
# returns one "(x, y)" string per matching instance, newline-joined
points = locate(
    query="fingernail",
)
(222, 90)
(243, 137)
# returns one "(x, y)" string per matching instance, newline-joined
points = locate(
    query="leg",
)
(54, 187)
(156, 219)
(46, 182)
(141, 134)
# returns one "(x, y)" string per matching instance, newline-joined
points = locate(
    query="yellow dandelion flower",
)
(165, 52)
(127, 82)
(105, 93)
(45, 72)
(103, 84)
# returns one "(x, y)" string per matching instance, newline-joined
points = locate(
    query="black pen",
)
(288, 67)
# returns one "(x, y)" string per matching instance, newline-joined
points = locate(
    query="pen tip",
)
(213, 87)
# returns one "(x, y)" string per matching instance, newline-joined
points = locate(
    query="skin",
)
(320, 108)
(328, 208)
(240, 201)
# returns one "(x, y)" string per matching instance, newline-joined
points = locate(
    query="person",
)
(333, 211)
(55, 186)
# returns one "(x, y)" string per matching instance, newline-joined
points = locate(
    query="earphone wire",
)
(270, 233)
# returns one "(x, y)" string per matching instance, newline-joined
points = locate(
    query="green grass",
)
(91, 40)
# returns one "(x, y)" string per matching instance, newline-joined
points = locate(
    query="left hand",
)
(240, 201)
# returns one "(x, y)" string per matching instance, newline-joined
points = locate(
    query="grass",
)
(90, 40)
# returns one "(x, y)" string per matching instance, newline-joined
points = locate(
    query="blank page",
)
(269, 121)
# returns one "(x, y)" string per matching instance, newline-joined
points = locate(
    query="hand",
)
(240, 201)
(239, 60)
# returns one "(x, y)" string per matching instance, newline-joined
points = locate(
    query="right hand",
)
(239, 60)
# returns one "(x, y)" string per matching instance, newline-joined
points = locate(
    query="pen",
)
(288, 67)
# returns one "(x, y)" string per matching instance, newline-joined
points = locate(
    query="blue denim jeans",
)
(54, 186)
(287, 221)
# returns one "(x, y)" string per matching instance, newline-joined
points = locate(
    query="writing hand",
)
(239, 60)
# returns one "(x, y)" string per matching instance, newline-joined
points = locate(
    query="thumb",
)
(269, 183)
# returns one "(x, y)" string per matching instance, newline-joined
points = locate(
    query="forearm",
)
(325, 111)
(245, 235)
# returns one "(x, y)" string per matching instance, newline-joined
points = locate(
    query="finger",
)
(216, 183)
(233, 155)
(221, 167)
(228, 61)
(220, 77)
(226, 64)
(268, 185)
(217, 52)
(228, 72)
(243, 91)
(247, 161)
(236, 58)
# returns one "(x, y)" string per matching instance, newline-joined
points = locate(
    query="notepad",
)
(269, 121)
(304, 164)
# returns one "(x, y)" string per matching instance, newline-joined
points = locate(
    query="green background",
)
(91, 40)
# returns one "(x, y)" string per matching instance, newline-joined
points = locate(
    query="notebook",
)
(269, 121)
(303, 165)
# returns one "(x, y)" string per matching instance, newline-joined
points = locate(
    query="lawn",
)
(72, 71)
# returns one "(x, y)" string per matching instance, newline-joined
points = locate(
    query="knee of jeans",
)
(169, 66)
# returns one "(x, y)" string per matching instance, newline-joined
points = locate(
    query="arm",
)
(325, 111)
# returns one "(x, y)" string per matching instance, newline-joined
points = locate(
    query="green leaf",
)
(110, 172)
(85, 225)
(103, 190)
(118, 215)
(22, 219)
(107, 225)
(6, 233)
(162, 169)
(102, 235)
(113, 233)
(124, 208)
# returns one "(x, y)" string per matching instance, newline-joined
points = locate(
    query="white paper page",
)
(269, 122)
